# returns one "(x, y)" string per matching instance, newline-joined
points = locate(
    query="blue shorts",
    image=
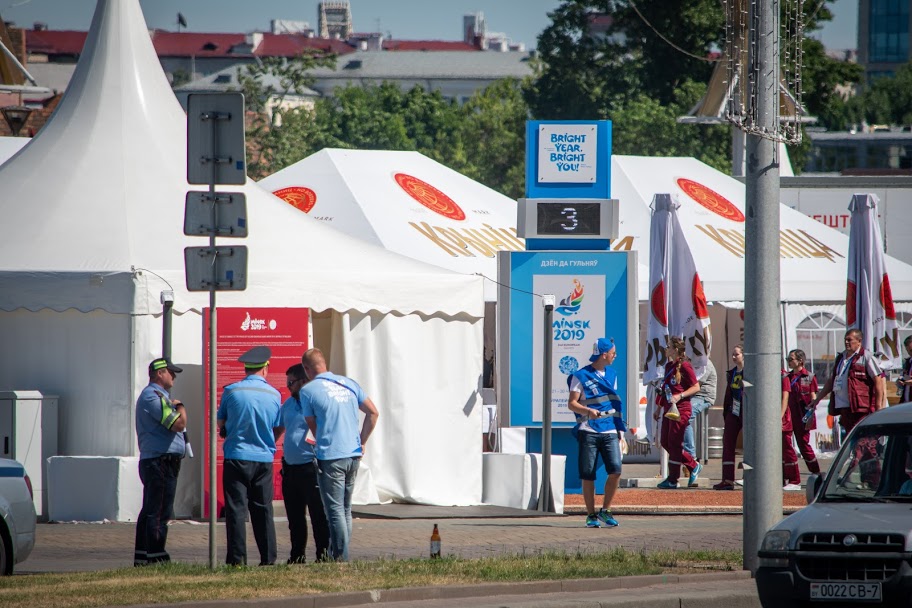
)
(593, 444)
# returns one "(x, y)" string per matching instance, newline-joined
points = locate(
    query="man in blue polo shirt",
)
(331, 404)
(160, 422)
(248, 419)
(600, 428)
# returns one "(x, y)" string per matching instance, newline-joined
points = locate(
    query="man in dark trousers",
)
(160, 422)
(248, 419)
(299, 475)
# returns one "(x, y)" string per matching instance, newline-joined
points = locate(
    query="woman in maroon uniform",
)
(799, 388)
(732, 411)
(678, 386)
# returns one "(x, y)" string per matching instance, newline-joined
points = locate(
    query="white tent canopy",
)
(813, 256)
(93, 217)
(407, 203)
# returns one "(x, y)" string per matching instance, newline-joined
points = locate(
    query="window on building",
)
(820, 336)
(889, 31)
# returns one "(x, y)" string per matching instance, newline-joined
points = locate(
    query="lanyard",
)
(848, 364)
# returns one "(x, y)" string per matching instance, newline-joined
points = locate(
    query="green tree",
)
(888, 100)
(493, 129)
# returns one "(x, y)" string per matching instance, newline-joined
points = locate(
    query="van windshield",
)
(874, 465)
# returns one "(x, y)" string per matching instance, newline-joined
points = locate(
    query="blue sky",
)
(521, 20)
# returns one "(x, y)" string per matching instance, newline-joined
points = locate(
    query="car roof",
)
(897, 414)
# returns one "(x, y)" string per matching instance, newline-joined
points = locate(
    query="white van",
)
(852, 544)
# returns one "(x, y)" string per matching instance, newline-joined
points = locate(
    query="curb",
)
(673, 510)
(414, 594)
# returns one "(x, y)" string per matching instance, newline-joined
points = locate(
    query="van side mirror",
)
(813, 486)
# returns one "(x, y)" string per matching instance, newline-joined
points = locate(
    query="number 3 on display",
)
(570, 214)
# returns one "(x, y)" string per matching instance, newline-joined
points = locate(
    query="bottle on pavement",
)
(435, 543)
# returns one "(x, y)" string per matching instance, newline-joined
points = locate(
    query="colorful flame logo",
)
(299, 197)
(571, 304)
(710, 199)
(429, 196)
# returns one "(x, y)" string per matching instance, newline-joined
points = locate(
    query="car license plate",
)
(852, 592)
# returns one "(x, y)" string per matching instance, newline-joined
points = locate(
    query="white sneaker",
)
(791, 487)
(739, 482)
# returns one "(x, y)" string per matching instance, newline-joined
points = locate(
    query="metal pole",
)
(544, 498)
(762, 428)
(167, 315)
(213, 349)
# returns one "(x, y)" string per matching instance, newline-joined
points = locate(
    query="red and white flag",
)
(869, 301)
(677, 305)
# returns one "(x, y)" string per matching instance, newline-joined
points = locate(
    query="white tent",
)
(93, 216)
(407, 203)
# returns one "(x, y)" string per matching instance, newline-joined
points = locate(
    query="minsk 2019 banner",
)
(579, 316)
(595, 297)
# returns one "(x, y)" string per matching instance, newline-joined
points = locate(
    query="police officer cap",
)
(163, 363)
(256, 357)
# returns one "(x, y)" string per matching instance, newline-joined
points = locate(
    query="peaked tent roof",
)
(407, 203)
(101, 190)
(813, 262)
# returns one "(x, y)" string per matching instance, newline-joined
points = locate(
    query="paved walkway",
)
(88, 547)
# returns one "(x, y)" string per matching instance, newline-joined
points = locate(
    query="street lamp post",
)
(16, 117)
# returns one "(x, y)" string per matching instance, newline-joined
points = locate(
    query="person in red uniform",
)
(799, 389)
(732, 412)
(678, 386)
(790, 474)
(857, 386)
(904, 384)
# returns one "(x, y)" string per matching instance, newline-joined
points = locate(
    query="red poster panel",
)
(284, 331)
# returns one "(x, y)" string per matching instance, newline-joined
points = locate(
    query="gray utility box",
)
(28, 434)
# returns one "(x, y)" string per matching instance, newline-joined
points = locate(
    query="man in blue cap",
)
(160, 422)
(249, 420)
(600, 428)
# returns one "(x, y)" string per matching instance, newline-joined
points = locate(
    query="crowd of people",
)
(324, 444)
(323, 447)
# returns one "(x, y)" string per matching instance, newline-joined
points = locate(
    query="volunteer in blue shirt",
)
(248, 419)
(160, 422)
(600, 428)
(300, 489)
(331, 404)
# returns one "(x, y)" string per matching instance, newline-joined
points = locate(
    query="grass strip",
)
(178, 582)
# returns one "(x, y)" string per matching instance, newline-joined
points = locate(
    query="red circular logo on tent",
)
(850, 304)
(429, 196)
(699, 298)
(886, 298)
(710, 199)
(299, 197)
(657, 302)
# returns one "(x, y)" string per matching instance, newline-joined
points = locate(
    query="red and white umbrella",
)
(869, 301)
(677, 305)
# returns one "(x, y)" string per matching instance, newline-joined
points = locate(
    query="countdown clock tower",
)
(566, 290)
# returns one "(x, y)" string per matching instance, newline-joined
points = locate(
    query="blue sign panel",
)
(595, 296)
(568, 159)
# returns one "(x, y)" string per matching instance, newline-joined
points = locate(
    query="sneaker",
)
(740, 482)
(607, 518)
(592, 521)
(791, 487)
(667, 485)
(724, 485)
(694, 475)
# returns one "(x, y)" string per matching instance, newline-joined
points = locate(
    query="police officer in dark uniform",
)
(160, 422)
(249, 420)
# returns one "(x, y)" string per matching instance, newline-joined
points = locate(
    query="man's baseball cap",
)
(602, 345)
(164, 363)
(256, 358)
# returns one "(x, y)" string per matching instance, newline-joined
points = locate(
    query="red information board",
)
(284, 331)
